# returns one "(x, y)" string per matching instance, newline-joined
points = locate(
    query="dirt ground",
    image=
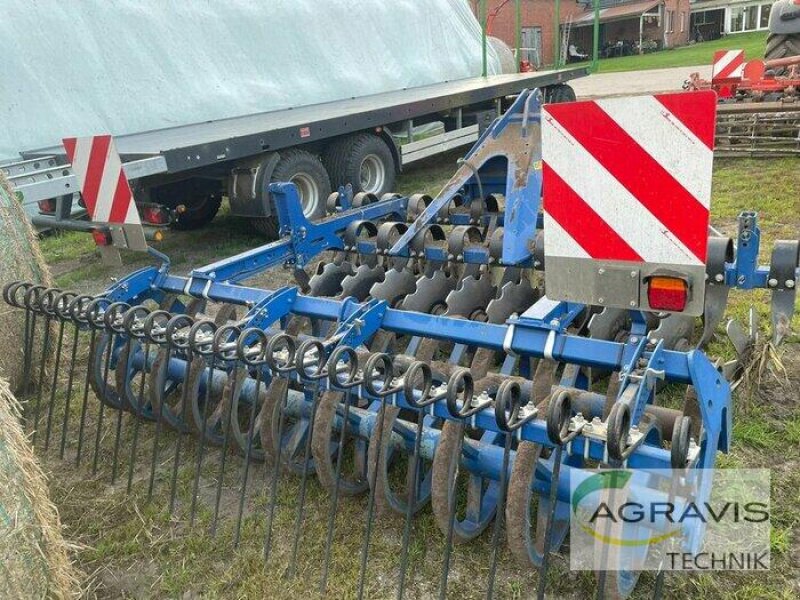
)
(130, 546)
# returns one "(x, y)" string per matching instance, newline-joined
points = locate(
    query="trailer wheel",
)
(782, 46)
(553, 94)
(306, 172)
(363, 160)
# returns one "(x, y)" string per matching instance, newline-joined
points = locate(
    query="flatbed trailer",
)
(181, 173)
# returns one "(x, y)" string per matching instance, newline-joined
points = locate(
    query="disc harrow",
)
(421, 365)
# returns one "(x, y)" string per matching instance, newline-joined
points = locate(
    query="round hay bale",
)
(33, 553)
(20, 259)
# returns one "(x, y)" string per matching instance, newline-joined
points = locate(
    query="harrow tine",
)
(219, 338)
(157, 408)
(381, 365)
(323, 586)
(416, 370)
(314, 375)
(60, 306)
(95, 321)
(118, 429)
(498, 520)
(281, 351)
(559, 411)
(77, 315)
(33, 293)
(208, 327)
(135, 327)
(451, 521)
(173, 326)
(46, 305)
(337, 357)
(109, 319)
(258, 360)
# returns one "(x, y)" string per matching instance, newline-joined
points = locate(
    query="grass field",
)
(687, 56)
(131, 548)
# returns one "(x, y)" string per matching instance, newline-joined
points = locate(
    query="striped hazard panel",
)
(105, 189)
(627, 181)
(727, 64)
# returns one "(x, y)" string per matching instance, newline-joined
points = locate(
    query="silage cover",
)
(84, 67)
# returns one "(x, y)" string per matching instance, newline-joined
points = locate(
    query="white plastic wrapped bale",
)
(123, 66)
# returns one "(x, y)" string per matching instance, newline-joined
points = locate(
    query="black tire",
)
(201, 199)
(782, 46)
(307, 172)
(554, 94)
(345, 158)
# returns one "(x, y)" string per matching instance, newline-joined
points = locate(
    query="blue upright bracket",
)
(509, 138)
(272, 308)
(358, 322)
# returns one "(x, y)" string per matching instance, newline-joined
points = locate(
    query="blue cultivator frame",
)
(414, 381)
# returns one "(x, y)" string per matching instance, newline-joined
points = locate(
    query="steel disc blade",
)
(328, 282)
(430, 292)
(473, 295)
(514, 298)
(395, 286)
(360, 283)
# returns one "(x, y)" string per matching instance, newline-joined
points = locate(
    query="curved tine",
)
(281, 350)
(114, 315)
(79, 309)
(162, 328)
(347, 356)
(62, 305)
(8, 294)
(312, 371)
(461, 385)
(46, 307)
(119, 318)
(133, 321)
(421, 371)
(618, 427)
(379, 364)
(96, 312)
(76, 312)
(508, 403)
(60, 309)
(47, 301)
(161, 325)
(138, 328)
(251, 347)
(32, 298)
(223, 344)
(559, 411)
(201, 335)
(11, 293)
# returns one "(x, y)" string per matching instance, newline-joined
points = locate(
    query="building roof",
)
(615, 13)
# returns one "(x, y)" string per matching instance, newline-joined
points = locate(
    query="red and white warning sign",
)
(727, 64)
(104, 187)
(626, 182)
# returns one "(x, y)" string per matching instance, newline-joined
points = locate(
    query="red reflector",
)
(101, 238)
(47, 206)
(667, 293)
(155, 215)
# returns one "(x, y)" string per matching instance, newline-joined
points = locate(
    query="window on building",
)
(669, 25)
(737, 19)
(763, 21)
(751, 18)
(683, 21)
